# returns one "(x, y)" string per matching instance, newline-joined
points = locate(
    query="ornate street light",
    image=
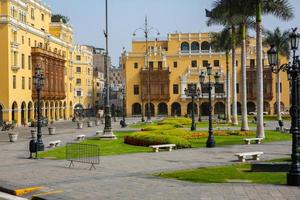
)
(123, 121)
(146, 29)
(210, 140)
(192, 92)
(199, 94)
(107, 132)
(293, 71)
(38, 81)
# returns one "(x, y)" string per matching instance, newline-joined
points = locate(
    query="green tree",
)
(281, 41)
(59, 17)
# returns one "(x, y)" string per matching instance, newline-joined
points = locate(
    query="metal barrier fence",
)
(83, 153)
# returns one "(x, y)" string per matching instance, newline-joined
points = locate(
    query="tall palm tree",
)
(282, 10)
(281, 41)
(222, 42)
(223, 14)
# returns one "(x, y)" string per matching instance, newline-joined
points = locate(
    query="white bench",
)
(286, 130)
(157, 147)
(257, 140)
(80, 137)
(242, 156)
(53, 144)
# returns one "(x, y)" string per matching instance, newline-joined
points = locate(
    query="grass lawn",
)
(271, 136)
(225, 174)
(116, 147)
(108, 147)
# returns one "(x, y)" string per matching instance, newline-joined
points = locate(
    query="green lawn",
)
(225, 174)
(107, 147)
(116, 147)
(271, 136)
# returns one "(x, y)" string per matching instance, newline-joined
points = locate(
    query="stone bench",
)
(286, 130)
(54, 144)
(80, 137)
(257, 140)
(164, 146)
(242, 156)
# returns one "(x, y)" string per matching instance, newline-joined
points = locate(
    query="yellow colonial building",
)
(175, 64)
(29, 38)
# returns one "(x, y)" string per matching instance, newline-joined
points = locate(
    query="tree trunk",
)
(244, 126)
(228, 105)
(260, 132)
(234, 95)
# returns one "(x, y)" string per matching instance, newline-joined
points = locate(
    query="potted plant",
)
(51, 128)
(9, 127)
(90, 123)
(79, 124)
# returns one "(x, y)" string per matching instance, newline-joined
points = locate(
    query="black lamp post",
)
(124, 107)
(38, 80)
(191, 91)
(146, 29)
(210, 140)
(199, 98)
(293, 71)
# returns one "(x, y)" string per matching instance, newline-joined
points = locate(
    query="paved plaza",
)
(130, 176)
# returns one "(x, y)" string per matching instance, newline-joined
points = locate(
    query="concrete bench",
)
(164, 146)
(257, 140)
(80, 137)
(286, 130)
(53, 144)
(242, 156)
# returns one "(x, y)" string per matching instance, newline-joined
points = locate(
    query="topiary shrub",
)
(160, 127)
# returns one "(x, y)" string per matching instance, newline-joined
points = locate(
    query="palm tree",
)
(281, 42)
(222, 42)
(282, 10)
(223, 14)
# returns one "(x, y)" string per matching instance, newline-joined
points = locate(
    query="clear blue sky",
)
(88, 19)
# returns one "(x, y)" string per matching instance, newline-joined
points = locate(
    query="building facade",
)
(30, 39)
(175, 64)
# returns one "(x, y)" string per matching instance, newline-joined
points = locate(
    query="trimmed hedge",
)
(146, 138)
(156, 127)
(176, 122)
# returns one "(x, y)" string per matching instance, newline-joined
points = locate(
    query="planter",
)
(90, 123)
(51, 130)
(13, 136)
(33, 133)
(97, 122)
(79, 125)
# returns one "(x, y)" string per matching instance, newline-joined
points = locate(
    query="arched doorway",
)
(176, 109)
(205, 109)
(251, 107)
(239, 108)
(282, 107)
(29, 111)
(65, 110)
(219, 109)
(14, 112)
(267, 107)
(136, 109)
(162, 109)
(1, 115)
(23, 116)
(151, 109)
(189, 109)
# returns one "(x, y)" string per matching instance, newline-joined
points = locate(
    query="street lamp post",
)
(199, 99)
(38, 80)
(107, 132)
(192, 92)
(210, 140)
(293, 71)
(146, 29)
(124, 108)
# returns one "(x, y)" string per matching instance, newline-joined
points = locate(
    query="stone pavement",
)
(129, 176)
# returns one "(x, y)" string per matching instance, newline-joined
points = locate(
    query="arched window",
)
(136, 109)
(185, 47)
(205, 46)
(195, 47)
